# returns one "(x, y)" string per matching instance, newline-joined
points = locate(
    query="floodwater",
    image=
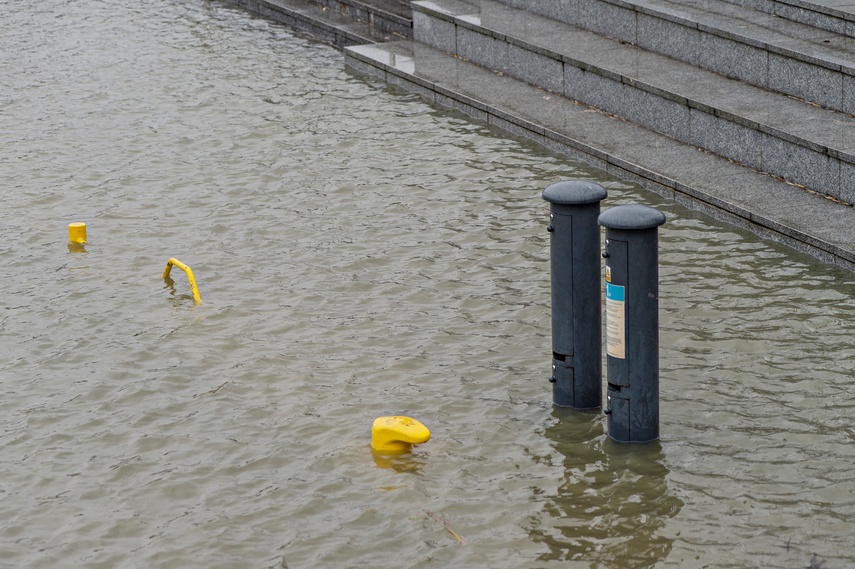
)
(360, 253)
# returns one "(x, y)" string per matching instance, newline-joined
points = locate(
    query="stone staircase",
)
(662, 70)
(742, 110)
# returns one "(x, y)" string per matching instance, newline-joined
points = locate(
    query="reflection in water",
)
(612, 502)
(402, 463)
(390, 258)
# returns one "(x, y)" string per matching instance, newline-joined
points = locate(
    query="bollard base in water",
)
(632, 322)
(625, 426)
(570, 391)
(574, 251)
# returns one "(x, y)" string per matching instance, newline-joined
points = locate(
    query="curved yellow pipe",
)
(193, 288)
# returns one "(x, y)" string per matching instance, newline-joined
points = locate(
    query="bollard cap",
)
(575, 192)
(77, 233)
(631, 217)
(397, 434)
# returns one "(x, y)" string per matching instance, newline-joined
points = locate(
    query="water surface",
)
(361, 253)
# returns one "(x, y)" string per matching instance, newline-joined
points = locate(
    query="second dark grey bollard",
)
(632, 322)
(577, 369)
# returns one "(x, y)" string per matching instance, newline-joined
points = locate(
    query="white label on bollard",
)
(615, 321)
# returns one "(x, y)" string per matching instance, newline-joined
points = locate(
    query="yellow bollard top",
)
(77, 233)
(396, 434)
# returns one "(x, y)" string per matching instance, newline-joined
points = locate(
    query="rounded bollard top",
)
(575, 192)
(631, 217)
(397, 434)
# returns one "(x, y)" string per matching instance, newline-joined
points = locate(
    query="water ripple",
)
(360, 253)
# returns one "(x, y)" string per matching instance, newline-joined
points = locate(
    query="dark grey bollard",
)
(632, 322)
(577, 369)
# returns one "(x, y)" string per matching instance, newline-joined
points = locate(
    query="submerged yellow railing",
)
(190, 279)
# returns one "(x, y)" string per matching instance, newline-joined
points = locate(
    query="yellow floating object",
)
(194, 289)
(395, 434)
(77, 233)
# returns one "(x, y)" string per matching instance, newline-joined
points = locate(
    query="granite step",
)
(736, 41)
(805, 144)
(700, 180)
(339, 22)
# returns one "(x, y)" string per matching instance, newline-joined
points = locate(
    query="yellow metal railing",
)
(169, 264)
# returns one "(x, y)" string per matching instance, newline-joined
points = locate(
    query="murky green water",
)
(360, 253)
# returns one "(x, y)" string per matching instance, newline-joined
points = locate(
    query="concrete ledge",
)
(747, 198)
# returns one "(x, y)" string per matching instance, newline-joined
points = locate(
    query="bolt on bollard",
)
(632, 322)
(577, 369)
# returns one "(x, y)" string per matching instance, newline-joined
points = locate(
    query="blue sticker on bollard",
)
(615, 292)
(615, 321)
